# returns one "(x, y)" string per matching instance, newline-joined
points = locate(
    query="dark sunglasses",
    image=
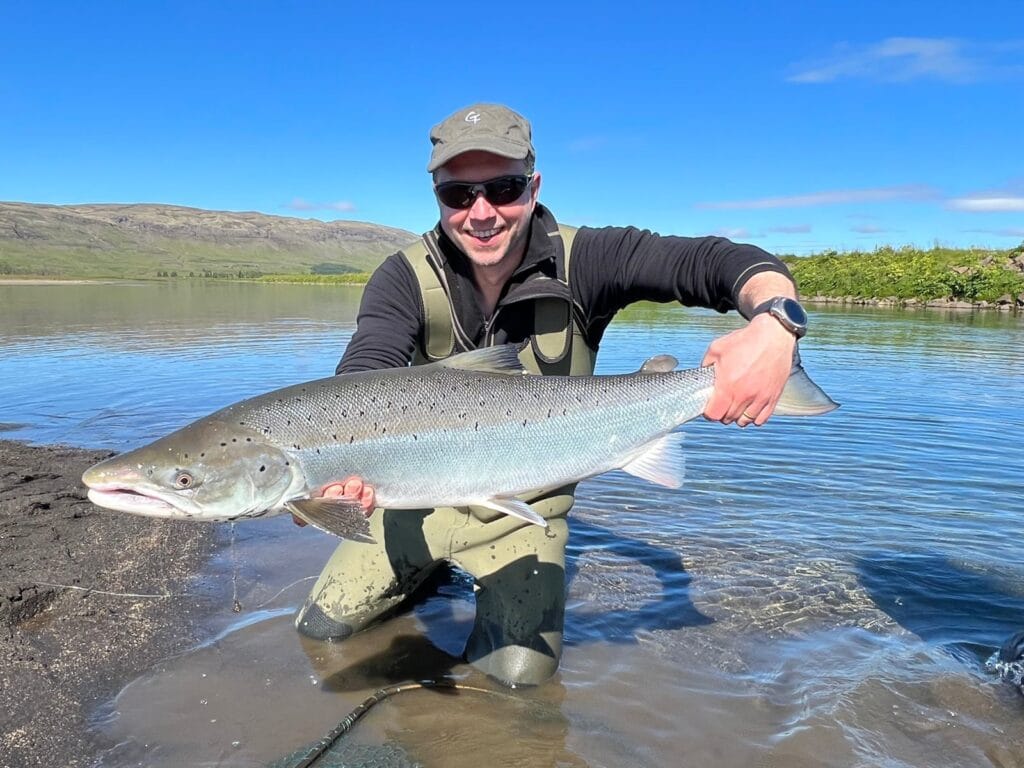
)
(500, 191)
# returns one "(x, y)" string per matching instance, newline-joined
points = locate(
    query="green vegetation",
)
(349, 278)
(909, 273)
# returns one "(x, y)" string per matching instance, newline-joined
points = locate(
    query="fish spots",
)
(263, 467)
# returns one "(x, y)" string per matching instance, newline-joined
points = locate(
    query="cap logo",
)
(472, 117)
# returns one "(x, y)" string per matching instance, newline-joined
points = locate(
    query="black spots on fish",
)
(234, 439)
(352, 439)
(335, 437)
(248, 439)
(186, 455)
(415, 437)
(476, 426)
(202, 455)
(317, 451)
(525, 421)
(549, 413)
(263, 467)
(296, 446)
(289, 422)
(223, 444)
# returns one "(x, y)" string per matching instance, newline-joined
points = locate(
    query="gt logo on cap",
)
(472, 117)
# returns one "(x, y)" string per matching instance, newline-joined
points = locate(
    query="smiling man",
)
(499, 269)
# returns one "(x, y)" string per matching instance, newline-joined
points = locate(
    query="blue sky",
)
(797, 126)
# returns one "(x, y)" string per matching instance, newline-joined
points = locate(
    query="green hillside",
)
(155, 240)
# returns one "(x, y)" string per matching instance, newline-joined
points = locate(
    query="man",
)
(498, 269)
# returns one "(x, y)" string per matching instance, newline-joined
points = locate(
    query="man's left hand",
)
(752, 365)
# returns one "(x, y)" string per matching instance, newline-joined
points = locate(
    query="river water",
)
(821, 592)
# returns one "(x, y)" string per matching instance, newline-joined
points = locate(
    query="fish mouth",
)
(127, 500)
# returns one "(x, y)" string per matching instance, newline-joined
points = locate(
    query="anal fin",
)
(515, 508)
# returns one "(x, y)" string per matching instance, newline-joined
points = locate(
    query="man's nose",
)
(481, 208)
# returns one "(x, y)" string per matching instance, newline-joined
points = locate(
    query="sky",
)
(800, 127)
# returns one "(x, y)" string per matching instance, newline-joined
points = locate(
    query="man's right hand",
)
(353, 488)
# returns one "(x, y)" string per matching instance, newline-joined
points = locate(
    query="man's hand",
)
(353, 488)
(752, 365)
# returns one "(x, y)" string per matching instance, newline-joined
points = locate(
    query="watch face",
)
(795, 312)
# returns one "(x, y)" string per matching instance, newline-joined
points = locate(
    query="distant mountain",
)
(145, 240)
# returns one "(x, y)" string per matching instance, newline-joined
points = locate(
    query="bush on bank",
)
(911, 273)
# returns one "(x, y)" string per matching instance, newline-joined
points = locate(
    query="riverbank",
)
(89, 599)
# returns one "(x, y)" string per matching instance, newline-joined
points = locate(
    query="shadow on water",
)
(421, 657)
(968, 613)
(669, 608)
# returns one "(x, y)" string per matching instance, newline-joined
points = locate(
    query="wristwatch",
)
(788, 312)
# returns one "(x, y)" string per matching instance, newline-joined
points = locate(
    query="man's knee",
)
(516, 665)
(311, 621)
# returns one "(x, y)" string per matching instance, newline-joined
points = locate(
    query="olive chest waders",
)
(518, 568)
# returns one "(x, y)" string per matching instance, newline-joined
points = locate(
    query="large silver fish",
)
(472, 430)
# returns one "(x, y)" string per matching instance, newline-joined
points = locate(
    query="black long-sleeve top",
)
(609, 268)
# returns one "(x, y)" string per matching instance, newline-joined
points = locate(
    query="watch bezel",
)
(784, 309)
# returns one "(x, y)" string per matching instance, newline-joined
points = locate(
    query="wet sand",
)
(89, 600)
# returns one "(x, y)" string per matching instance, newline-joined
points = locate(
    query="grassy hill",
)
(149, 240)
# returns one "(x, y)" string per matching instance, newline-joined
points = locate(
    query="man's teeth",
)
(484, 233)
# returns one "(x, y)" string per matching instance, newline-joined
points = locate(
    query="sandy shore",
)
(89, 599)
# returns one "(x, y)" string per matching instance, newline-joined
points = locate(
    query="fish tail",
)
(802, 397)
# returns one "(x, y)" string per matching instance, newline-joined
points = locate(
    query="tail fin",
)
(802, 397)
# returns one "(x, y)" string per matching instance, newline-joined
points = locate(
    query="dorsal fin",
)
(501, 359)
(659, 364)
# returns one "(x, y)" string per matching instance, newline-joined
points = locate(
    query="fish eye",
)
(184, 480)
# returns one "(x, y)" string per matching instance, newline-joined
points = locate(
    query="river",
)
(821, 592)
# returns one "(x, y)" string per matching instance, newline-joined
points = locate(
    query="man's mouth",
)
(483, 234)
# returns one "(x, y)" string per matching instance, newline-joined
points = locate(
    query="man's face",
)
(488, 233)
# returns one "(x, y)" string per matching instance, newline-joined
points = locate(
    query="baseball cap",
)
(485, 127)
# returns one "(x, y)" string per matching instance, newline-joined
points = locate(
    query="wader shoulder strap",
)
(553, 322)
(424, 258)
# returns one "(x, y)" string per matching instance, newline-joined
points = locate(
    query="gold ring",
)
(747, 415)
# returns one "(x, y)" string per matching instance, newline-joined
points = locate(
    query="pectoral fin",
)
(514, 507)
(340, 516)
(660, 462)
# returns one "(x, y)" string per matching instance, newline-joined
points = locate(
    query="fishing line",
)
(321, 747)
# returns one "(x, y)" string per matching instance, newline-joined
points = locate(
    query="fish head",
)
(210, 470)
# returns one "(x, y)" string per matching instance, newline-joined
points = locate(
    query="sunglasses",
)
(499, 191)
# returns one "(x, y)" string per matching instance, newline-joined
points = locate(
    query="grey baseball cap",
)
(486, 127)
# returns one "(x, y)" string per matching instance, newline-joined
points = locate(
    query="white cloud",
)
(1005, 232)
(832, 197)
(792, 229)
(342, 206)
(986, 204)
(298, 204)
(301, 204)
(868, 229)
(734, 233)
(903, 59)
